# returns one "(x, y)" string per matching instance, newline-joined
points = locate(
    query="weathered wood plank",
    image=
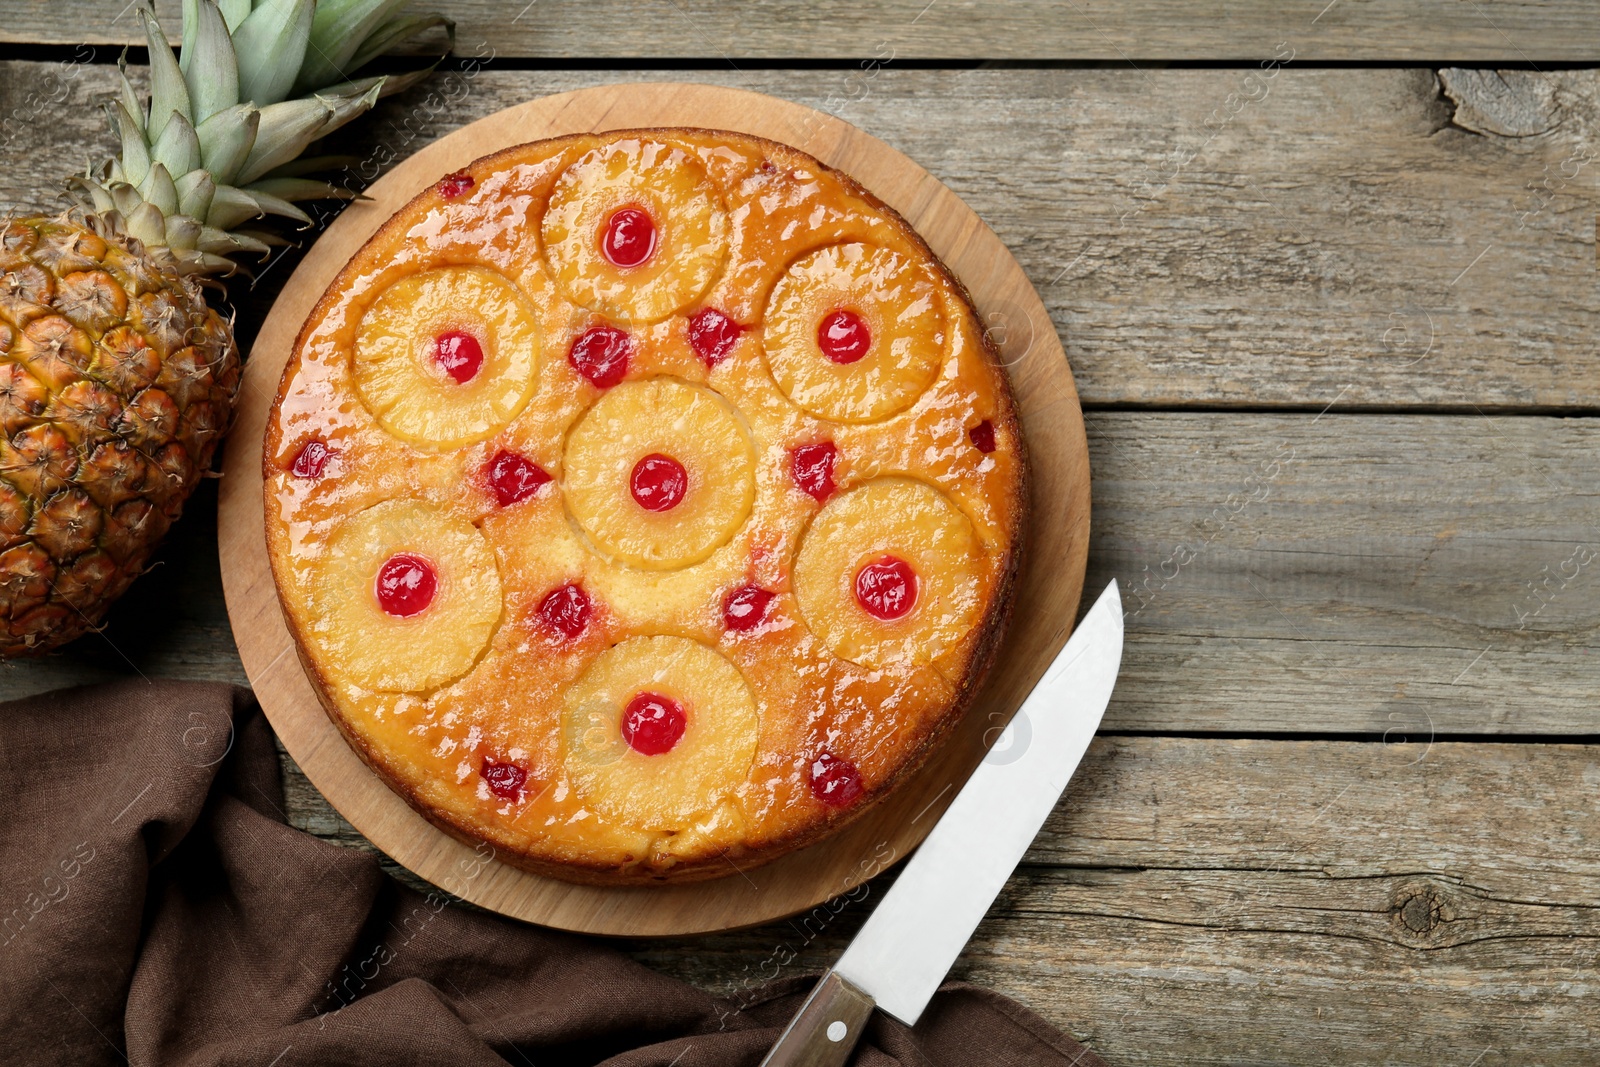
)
(1423, 30)
(1402, 575)
(1341, 240)
(1354, 592)
(1209, 901)
(1227, 902)
(1393, 575)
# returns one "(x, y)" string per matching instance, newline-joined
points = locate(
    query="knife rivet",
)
(837, 1030)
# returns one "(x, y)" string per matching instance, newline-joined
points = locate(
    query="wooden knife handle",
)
(825, 1029)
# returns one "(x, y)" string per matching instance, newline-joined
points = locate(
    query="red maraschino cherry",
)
(505, 780)
(600, 354)
(745, 608)
(459, 355)
(982, 436)
(405, 585)
(311, 460)
(629, 238)
(653, 724)
(566, 610)
(811, 467)
(835, 781)
(453, 185)
(843, 336)
(658, 482)
(712, 335)
(886, 589)
(514, 478)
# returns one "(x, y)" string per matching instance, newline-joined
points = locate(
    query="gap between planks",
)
(1133, 32)
(1365, 239)
(1377, 575)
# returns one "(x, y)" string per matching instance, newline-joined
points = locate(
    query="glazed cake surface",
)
(644, 504)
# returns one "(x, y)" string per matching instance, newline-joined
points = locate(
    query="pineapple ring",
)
(690, 231)
(437, 644)
(405, 385)
(709, 761)
(897, 302)
(909, 521)
(634, 421)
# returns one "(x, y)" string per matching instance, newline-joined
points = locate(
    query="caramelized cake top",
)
(644, 501)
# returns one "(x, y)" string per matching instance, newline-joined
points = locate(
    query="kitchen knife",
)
(905, 949)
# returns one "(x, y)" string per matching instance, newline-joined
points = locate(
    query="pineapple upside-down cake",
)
(644, 502)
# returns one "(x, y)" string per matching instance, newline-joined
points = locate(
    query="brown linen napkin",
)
(157, 910)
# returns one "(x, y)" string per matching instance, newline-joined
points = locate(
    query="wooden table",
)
(1333, 320)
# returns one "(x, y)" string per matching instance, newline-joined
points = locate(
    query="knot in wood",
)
(1420, 913)
(1419, 910)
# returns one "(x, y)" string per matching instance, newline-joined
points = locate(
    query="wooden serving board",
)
(1048, 589)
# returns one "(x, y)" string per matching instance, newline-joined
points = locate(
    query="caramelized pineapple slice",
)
(659, 473)
(406, 598)
(889, 572)
(635, 231)
(447, 357)
(854, 332)
(658, 732)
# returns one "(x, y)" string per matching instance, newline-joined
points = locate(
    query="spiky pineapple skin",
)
(116, 383)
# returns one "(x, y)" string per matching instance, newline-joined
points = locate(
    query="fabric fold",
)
(159, 910)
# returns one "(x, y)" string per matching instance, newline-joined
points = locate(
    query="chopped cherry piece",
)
(658, 482)
(843, 336)
(886, 589)
(458, 355)
(712, 335)
(653, 724)
(311, 460)
(405, 585)
(630, 237)
(454, 185)
(600, 354)
(835, 781)
(566, 610)
(982, 436)
(505, 780)
(514, 478)
(811, 466)
(744, 609)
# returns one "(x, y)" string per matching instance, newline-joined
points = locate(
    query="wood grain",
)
(1347, 573)
(1354, 238)
(1047, 588)
(826, 1027)
(1225, 902)
(1196, 901)
(1396, 575)
(728, 32)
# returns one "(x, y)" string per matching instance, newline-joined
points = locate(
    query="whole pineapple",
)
(117, 381)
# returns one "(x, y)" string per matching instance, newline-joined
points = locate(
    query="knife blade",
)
(913, 938)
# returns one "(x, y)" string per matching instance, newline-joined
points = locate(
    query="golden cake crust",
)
(437, 747)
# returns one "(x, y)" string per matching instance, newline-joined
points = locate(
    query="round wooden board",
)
(1047, 591)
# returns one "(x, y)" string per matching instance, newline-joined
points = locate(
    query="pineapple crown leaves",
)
(219, 142)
